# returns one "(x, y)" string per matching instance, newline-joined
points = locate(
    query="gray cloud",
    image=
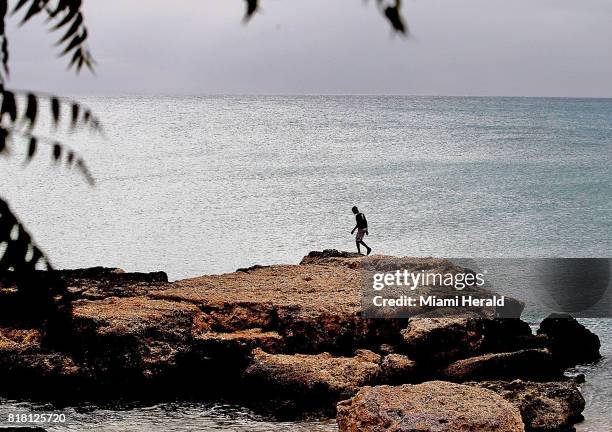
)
(468, 47)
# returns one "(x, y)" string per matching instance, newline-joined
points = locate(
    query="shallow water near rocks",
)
(163, 417)
(597, 390)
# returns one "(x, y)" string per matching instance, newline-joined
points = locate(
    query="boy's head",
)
(355, 209)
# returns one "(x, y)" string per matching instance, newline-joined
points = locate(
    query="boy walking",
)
(362, 229)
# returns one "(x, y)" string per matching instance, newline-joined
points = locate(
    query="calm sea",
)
(196, 185)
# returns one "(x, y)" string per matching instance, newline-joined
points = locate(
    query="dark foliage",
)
(40, 298)
(394, 16)
(63, 16)
(15, 125)
(391, 9)
(19, 253)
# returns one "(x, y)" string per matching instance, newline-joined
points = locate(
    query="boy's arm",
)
(354, 229)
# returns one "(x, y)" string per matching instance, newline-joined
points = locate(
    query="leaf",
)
(67, 18)
(75, 115)
(57, 151)
(55, 110)
(79, 114)
(75, 58)
(35, 8)
(31, 110)
(76, 41)
(19, 5)
(3, 139)
(393, 15)
(3, 9)
(73, 29)
(85, 171)
(31, 148)
(251, 8)
(18, 244)
(63, 13)
(9, 106)
(5, 54)
(61, 5)
(4, 46)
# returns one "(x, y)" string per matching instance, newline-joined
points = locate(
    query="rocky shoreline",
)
(293, 338)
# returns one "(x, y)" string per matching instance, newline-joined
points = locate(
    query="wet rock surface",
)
(397, 368)
(435, 406)
(529, 363)
(463, 336)
(544, 406)
(314, 375)
(568, 340)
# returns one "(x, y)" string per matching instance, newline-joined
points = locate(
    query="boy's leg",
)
(368, 249)
(358, 248)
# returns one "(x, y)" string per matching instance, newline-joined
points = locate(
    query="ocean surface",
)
(195, 185)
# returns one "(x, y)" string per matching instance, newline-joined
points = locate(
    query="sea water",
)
(195, 185)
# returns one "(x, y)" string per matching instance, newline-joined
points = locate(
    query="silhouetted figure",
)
(362, 229)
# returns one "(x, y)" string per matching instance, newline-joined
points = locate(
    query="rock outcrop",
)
(296, 332)
(529, 363)
(435, 406)
(569, 341)
(544, 406)
(137, 335)
(311, 376)
(397, 368)
(463, 336)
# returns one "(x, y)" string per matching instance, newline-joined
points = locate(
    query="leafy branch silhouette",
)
(391, 9)
(20, 112)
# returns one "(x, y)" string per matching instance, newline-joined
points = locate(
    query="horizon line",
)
(309, 94)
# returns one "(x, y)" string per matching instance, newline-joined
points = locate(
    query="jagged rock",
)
(250, 269)
(530, 363)
(137, 334)
(241, 341)
(508, 334)
(569, 341)
(307, 376)
(397, 368)
(111, 274)
(19, 341)
(386, 349)
(23, 361)
(41, 366)
(444, 339)
(441, 340)
(544, 406)
(314, 308)
(98, 283)
(434, 406)
(315, 256)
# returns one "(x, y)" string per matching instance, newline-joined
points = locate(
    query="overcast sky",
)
(457, 47)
